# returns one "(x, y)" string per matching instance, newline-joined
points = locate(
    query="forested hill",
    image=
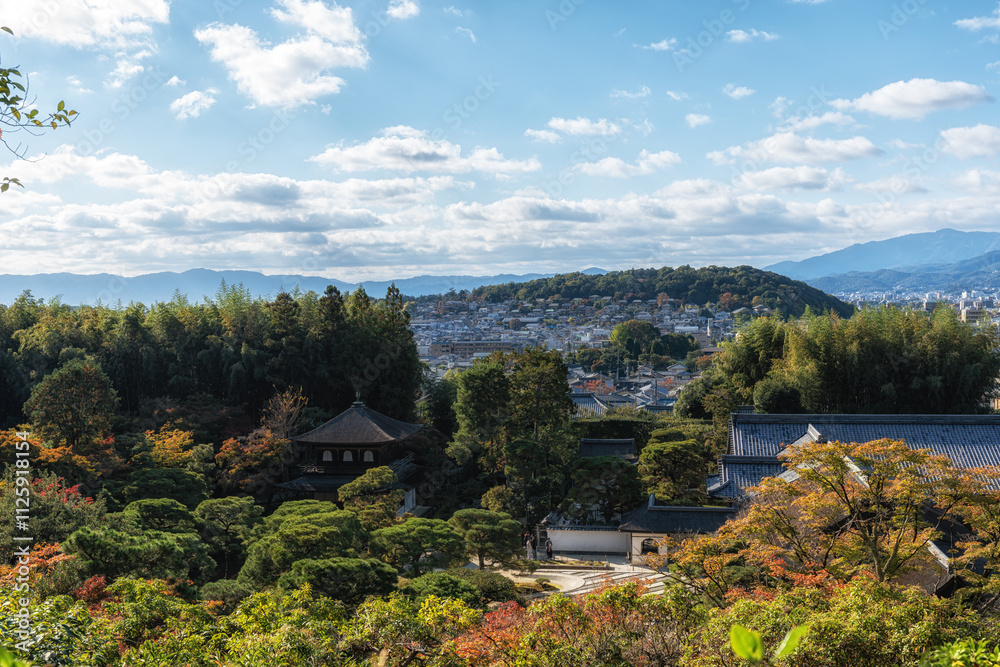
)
(741, 286)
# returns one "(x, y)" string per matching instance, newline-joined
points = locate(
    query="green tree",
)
(373, 498)
(539, 394)
(348, 579)
(491, 535)
(634, 338)
(184, 486)
(882, 360)
(305, 530)
(491, 586)
(670, 470)
(607, 484)
(438, 408)
(482, 408)
(536, 476)
(73, 406)
(57, 510)
(445, 586)
(228, 526)
(148, 554)
(163, 514)
(774, 395)
(417, 544)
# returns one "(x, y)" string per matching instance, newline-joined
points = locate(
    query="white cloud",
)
(779, 106)
(174, 81)
(391, 227)
(902, 145)
(899, 185)
(301, 64)
(332, 23)
(812, 122)
(77, 85)
(674, 95)
(743, 36)
(645, 127)
(916, 98)
(467, 32)
(545, 136)
(696, 119)
(612, 167)
(126, 66)
(193, 104)
(790, 147)
(585, 127)
(644, 91)
(738, 92)
(662, 45)
(979, 182)
(793, 178)
(87, 23)
(403, 9)
(404, 148)
(455, 11)
(981, 22)
(979, 141)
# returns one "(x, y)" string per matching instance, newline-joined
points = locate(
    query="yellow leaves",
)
(171, 448)
(446, 616)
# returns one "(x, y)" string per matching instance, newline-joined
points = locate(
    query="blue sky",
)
(389, 138)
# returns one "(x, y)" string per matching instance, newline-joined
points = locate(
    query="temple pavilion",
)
(342, 449)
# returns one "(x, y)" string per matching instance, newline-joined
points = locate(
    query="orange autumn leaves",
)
(842, 510)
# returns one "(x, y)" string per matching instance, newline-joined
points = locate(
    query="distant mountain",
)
(741, 286)
(944, 246)
(982, 272)
(196, 284)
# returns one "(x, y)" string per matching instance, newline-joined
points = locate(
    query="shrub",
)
(442, 585)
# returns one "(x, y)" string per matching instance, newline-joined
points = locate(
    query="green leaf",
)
(17, 114)
(61, 106)
(6, 29)
(746, 643)
(790, 641)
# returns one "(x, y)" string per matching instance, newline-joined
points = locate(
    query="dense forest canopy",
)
(732, 288)
(235, 349)
(881, 361)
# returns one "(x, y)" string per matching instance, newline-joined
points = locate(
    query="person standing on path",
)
(548, 548)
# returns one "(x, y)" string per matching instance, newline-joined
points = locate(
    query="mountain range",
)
(980, 273)
(945, 260)
(199, 284)
(945, 246)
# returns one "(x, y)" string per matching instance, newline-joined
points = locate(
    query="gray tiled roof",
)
(651, 517)
(586, 404)
(755, 440)
(359, 425)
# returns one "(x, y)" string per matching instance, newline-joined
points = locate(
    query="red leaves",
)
(93, 591)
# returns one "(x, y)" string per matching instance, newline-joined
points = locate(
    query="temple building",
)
(342, 449)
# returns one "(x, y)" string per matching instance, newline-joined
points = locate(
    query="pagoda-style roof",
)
(359, 426)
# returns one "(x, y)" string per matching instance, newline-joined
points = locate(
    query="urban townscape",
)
(390, 333)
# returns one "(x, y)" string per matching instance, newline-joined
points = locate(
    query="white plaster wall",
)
(589, 541)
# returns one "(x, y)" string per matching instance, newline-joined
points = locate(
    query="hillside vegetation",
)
(732, 288)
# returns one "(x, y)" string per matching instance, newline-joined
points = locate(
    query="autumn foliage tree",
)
(843, 510)
(73, 407)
